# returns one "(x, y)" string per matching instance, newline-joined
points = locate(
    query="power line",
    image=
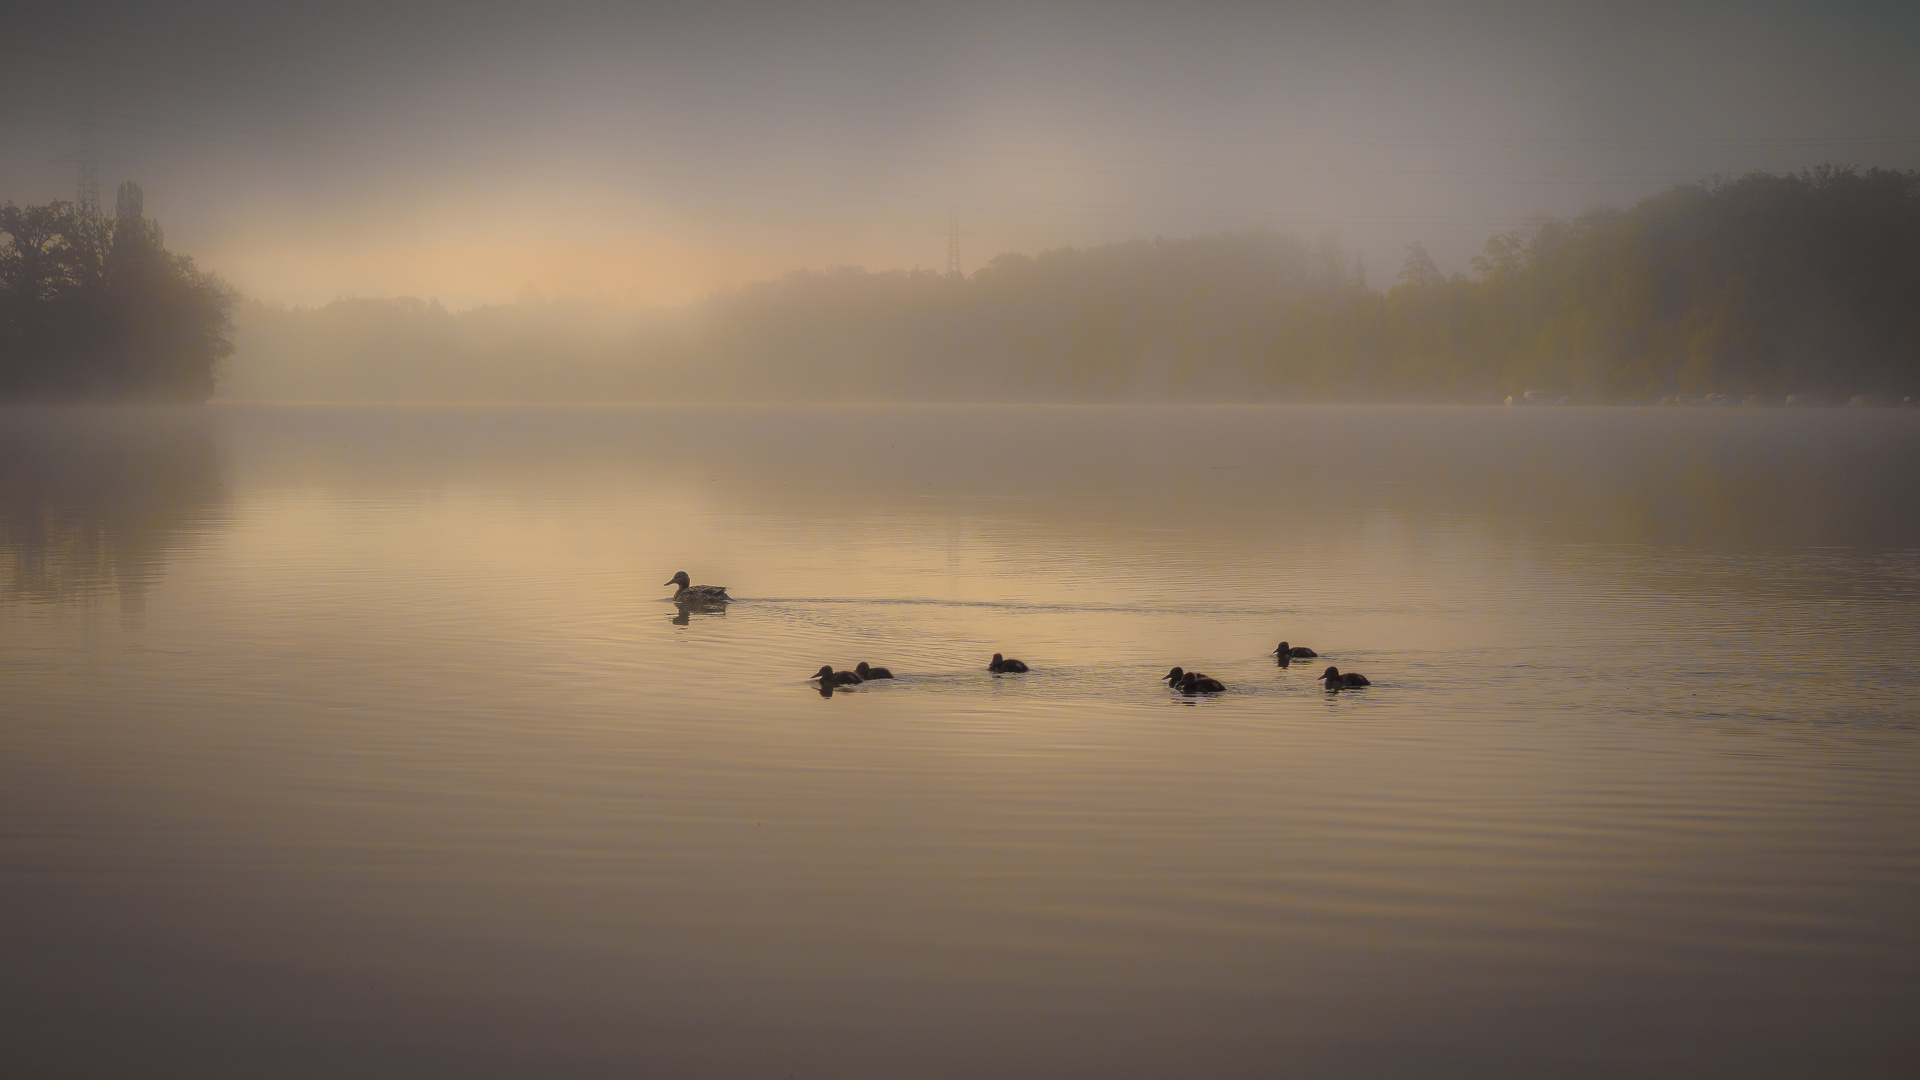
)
(625, 177)
(533, 169)
(416, 155)
(1372, 140)
(1148, 169)
(1049, 125)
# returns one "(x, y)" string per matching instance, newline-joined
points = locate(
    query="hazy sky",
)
(465, 151)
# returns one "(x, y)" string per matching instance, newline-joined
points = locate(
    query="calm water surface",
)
(365, 742)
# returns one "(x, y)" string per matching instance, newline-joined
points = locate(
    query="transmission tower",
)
(953, 246)
(954, 233)
(86, 193)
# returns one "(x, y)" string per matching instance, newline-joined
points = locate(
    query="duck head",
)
(681, 579)
(1285, 649)
(1173, 676)
(825, 672)
(1332, 674)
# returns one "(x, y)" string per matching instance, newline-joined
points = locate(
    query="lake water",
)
(365, 742)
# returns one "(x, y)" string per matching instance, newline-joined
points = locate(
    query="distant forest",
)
(97, 307)
(1769, 285)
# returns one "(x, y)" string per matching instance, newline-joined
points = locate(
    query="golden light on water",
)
(347, 728)
(403, 716)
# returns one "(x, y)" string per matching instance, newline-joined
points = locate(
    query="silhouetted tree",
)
(92, 307)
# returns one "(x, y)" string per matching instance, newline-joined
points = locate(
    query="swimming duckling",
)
(1335, 679)
(1195, 683)
(830, 677)
(688, 593)
(1192, 682)
(865, 672)
(1000, 665)
(1294, 652)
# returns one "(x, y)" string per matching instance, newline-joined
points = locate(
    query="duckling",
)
(688, 593)
(1192, 682)
(1336, 680)
(1000, 665)
(1294, 652)
(830, 677)
(1195, 683)
(866, 673)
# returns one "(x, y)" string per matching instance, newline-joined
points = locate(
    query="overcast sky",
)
(467, 151)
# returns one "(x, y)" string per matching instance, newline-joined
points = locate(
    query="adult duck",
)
(1338, 680)
(1000, 665)
(830, 677)
(867, 672)
(689, 593)
(1294, 652)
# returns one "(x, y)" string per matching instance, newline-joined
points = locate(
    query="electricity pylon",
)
(86, 193)
(953, 234)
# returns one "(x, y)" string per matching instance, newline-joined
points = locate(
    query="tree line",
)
(97, 307)
(1766, 284)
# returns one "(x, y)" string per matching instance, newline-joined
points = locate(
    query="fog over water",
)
(651, 154)
(347, 727)
(366, 740)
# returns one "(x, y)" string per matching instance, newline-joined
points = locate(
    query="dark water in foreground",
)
(363, 742)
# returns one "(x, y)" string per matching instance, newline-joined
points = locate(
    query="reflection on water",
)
(410, 759)
(1742, 478)
(92, 500)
